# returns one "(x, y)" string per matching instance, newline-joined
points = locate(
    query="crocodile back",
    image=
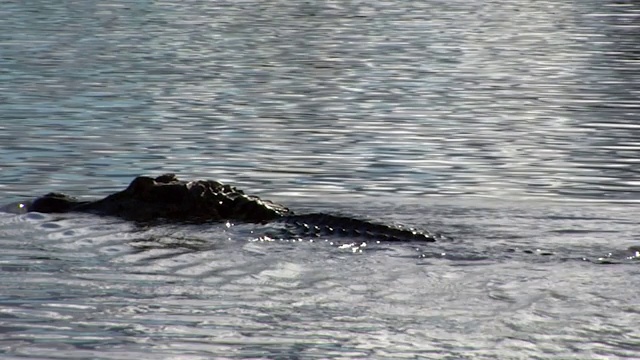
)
(320, 224)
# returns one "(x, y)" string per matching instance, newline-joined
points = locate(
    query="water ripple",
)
(510, 126)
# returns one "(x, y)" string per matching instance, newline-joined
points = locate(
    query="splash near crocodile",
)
(166, 198)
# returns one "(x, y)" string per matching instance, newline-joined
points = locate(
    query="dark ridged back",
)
(319, 224)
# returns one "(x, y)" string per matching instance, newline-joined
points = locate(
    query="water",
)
(510, 126)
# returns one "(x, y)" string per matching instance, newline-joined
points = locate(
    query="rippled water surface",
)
(510, 126)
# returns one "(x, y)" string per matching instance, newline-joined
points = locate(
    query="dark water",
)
(510, 126)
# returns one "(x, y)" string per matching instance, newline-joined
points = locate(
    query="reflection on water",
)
(312, 103)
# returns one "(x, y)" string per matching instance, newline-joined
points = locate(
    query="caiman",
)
(166, 198)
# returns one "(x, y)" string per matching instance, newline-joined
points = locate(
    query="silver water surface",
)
(80, 287)
(509, 125)
(491, 98)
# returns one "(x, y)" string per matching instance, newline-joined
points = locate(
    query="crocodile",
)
(166, 198)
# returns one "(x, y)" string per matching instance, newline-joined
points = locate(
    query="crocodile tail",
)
(319, 224)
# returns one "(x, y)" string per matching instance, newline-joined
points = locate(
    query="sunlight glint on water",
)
(510, 126)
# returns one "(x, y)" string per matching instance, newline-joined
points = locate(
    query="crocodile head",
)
(168, 198)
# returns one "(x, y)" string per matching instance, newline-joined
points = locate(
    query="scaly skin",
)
(165, 197)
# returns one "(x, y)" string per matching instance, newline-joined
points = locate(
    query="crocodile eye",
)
(141, 184)
(167, 178)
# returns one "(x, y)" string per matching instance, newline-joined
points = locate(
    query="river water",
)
(510, 126)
